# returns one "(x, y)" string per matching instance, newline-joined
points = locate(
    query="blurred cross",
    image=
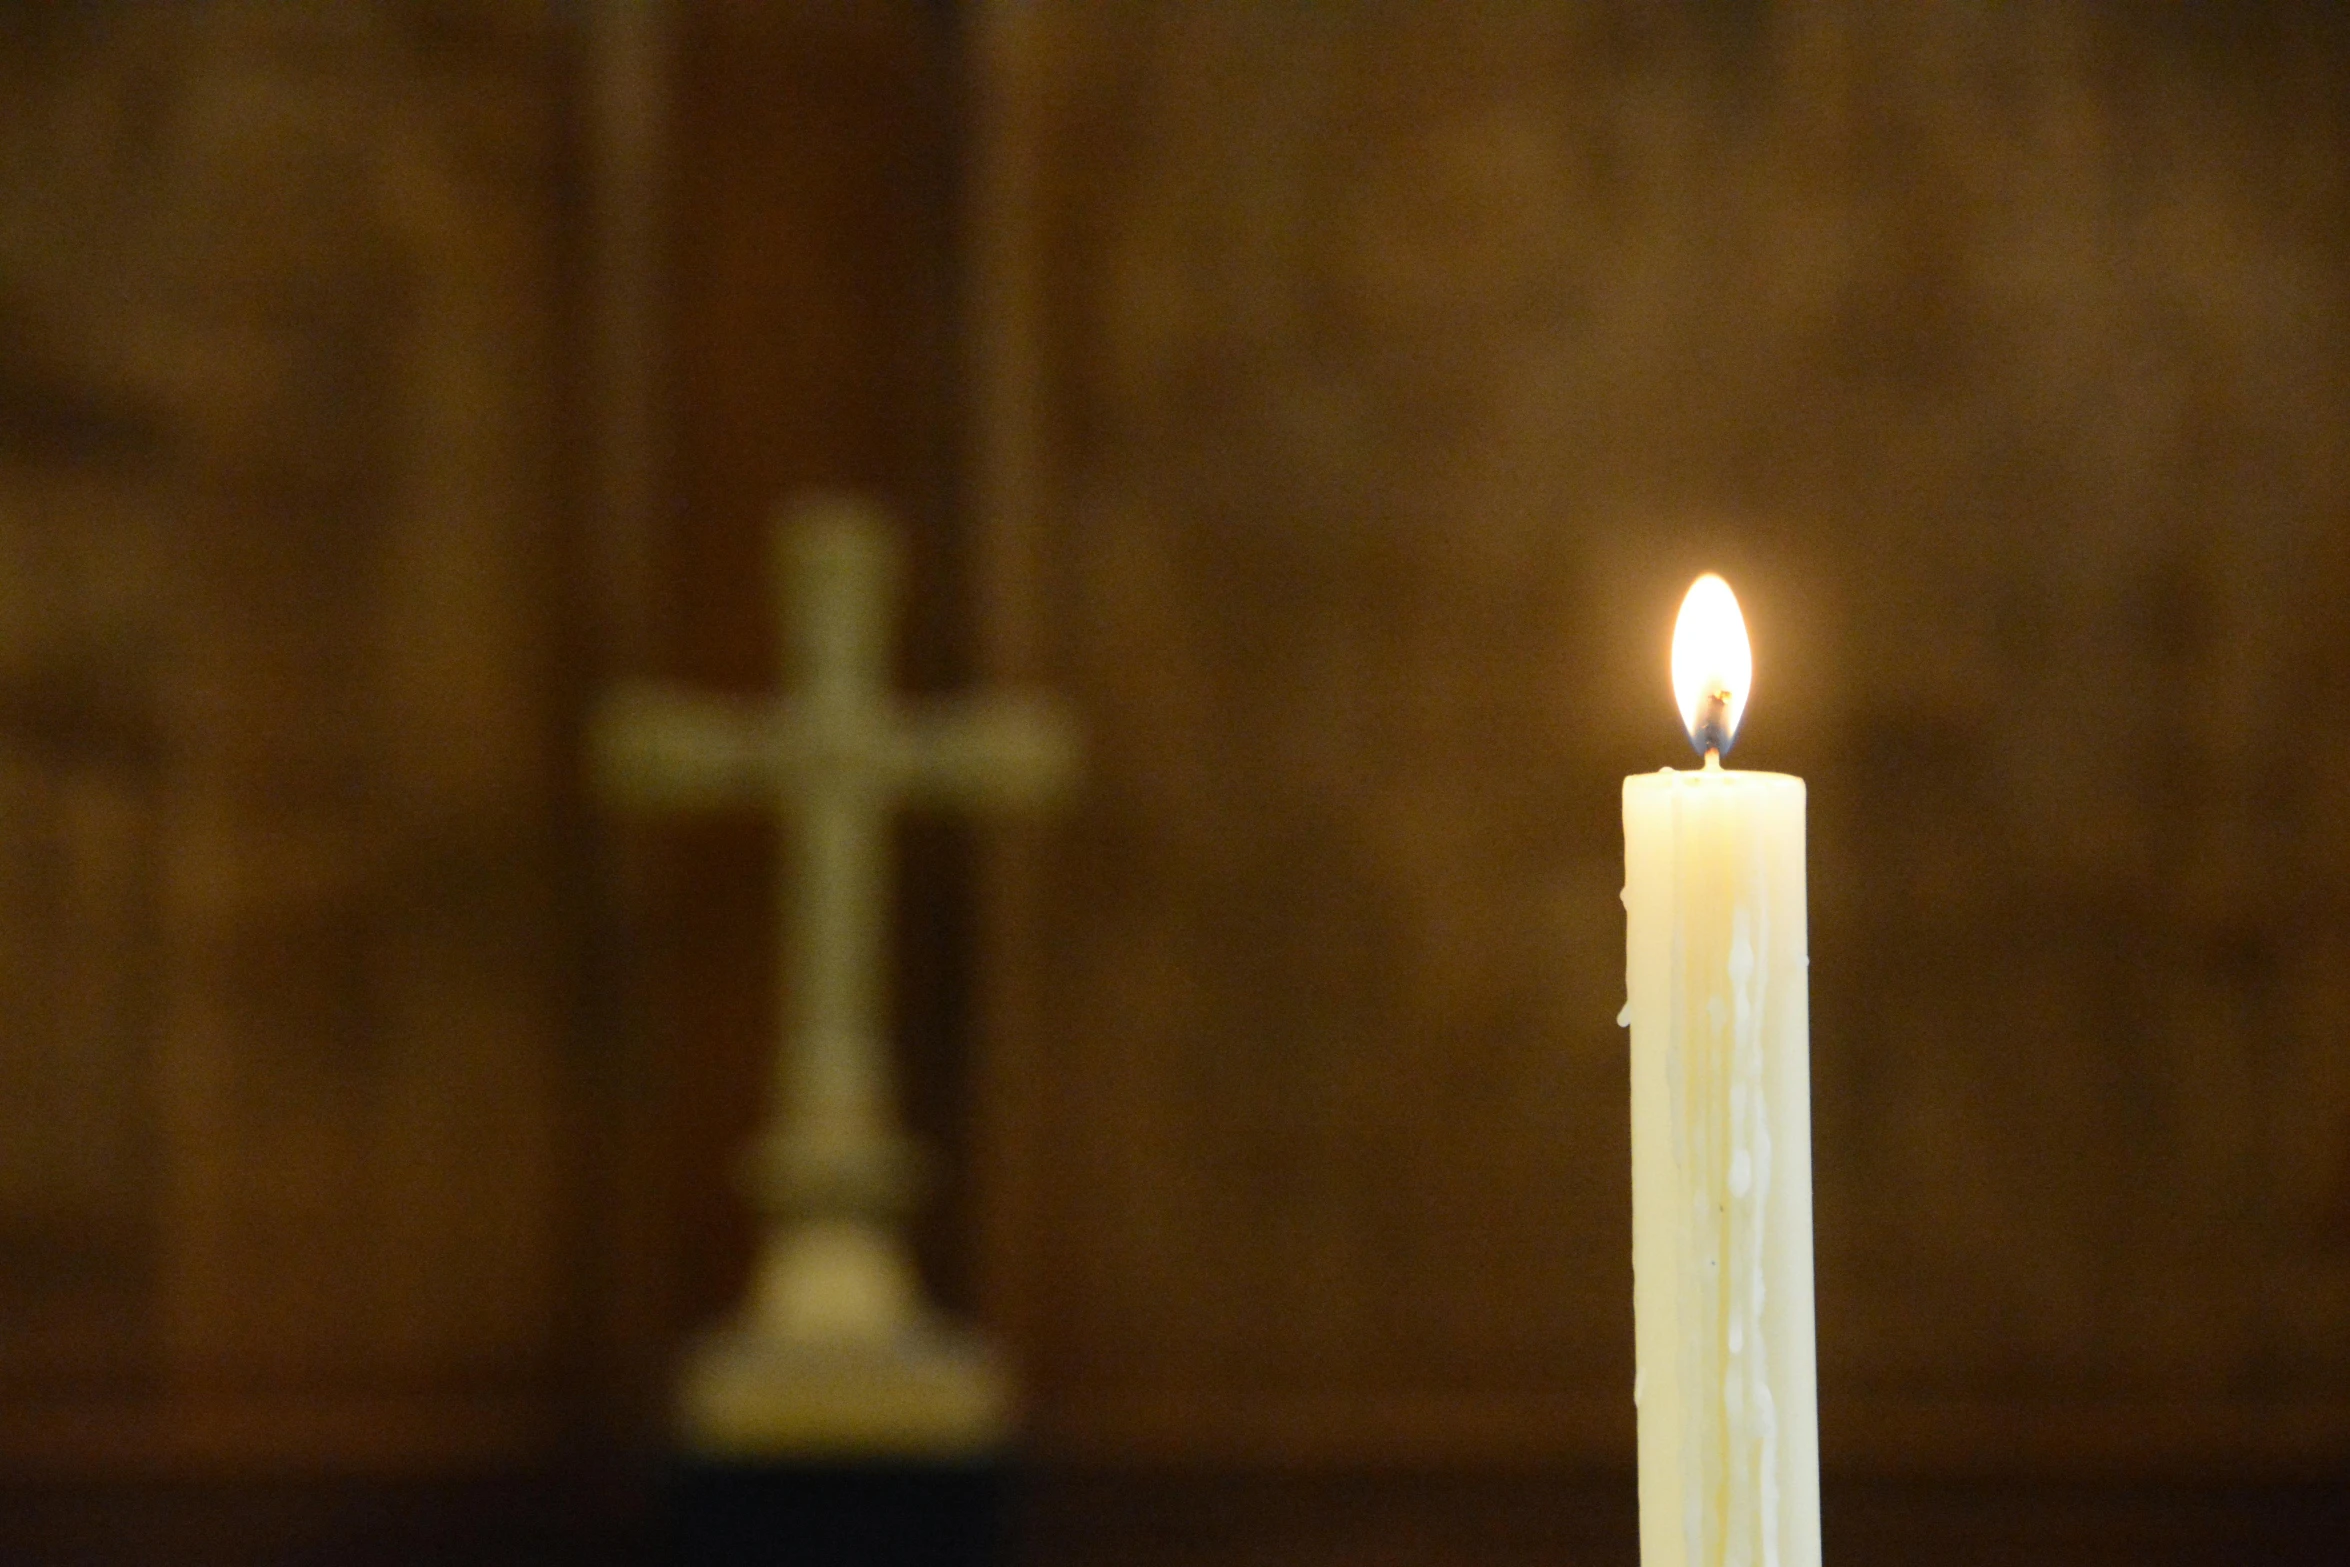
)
(834, 1348)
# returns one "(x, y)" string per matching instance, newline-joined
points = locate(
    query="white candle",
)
(1719, 1008)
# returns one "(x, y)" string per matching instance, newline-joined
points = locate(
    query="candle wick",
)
(1713, 760)
(1709, 729)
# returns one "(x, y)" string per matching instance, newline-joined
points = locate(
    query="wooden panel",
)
(80, 881)
(1365, 385)
(288, 1173)
(812, 338)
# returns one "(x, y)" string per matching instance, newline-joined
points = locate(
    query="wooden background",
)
(1366, 383)
(298, 1194)
(289, 1171)
(1394, 372)
(1333, 402)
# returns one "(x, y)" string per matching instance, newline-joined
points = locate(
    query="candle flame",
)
(1713, 666)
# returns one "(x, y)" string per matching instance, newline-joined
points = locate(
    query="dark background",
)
(1332, 402)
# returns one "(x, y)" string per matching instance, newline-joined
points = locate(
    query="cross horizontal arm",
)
(658, 746)
(1006, 750)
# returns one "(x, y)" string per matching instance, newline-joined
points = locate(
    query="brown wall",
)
(293, 1084)
(288, 1159)
(1355, 388)
(1375, 380)
(812, 154)
(374, 383)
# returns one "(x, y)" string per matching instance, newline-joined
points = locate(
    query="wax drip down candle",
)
(1718, 1001)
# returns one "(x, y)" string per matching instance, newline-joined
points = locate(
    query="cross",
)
(834, 1171)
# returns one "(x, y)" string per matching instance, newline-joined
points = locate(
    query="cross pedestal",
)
(835, 1358)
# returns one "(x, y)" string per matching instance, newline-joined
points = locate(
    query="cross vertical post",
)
(834, 1349)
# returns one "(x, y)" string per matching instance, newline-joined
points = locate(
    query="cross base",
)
(837, 1355)
(928, 1393)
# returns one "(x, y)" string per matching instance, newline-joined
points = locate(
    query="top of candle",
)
(1713, 667)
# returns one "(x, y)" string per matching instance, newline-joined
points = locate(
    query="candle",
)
(1719, 1007)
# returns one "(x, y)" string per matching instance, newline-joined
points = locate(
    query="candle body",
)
(1719, 1006)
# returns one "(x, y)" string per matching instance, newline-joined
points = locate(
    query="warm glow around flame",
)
(1710, 656)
